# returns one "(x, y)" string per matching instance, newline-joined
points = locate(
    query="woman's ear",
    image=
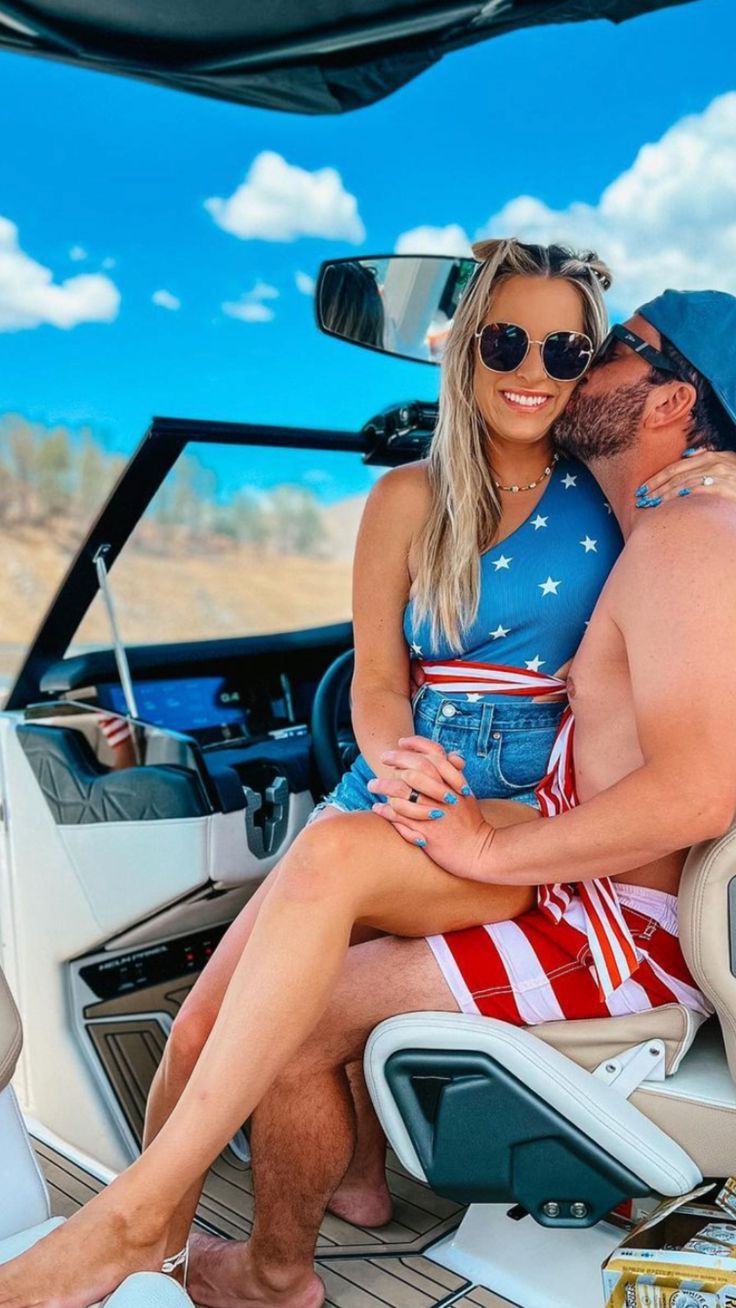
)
(672, 402)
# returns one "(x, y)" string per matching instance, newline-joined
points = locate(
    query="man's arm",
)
(678, 621)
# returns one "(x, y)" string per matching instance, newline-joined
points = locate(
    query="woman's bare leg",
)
(354, 869)
(365, 1200)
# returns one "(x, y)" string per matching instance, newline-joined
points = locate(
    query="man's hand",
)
(446, 821)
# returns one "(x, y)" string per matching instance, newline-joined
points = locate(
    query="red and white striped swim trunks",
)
(594, 948)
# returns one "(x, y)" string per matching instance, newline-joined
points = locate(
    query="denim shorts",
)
(506, 747)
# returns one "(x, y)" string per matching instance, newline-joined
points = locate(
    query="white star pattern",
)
(473, 695)
(502, 562)
(569, 481)
(416, 649)
(539, 521)
(589, 545)
(499, 632)
(549, 587)
(608, 508)
(535, 664)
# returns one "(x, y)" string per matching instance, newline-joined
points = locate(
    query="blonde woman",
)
(483, 563)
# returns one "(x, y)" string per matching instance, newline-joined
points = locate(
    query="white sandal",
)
(178, 1260)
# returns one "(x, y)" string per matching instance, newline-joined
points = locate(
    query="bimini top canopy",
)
(321, 57)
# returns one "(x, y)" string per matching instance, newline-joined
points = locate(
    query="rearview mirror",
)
(400, 304)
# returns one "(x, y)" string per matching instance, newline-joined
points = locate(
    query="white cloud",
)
(78, 253)
(29, 296)
(668, 220)
(165, 300)
(451, 240)
(305, 283)
(279, 202)
(251, 306)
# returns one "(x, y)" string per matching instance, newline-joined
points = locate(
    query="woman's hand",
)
(685, 477)
(446, 821)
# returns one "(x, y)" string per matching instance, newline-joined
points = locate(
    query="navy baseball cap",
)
(702, 325)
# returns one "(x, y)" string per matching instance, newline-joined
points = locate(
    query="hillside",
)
(230, 589)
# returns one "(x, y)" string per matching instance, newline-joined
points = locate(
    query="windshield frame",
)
(163, 444)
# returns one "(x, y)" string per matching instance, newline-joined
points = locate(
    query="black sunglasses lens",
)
(566, 355)
(503, 346)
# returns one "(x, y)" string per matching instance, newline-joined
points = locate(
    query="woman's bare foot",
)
(87, 1258)
(222, 1275)
(361, 1204)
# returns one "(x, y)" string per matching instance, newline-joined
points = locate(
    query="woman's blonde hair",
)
(465, 508)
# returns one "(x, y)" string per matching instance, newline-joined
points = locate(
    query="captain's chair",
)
(568, 1119)
(24, 1199)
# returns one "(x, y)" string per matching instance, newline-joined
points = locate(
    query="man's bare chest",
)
(600, 692)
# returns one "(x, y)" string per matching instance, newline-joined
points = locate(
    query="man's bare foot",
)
(222, 1275)
(362, 1205)
(87, 1258)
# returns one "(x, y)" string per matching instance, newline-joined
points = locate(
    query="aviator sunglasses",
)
(503, 347)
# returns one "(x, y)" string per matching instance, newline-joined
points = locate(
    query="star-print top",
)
(539, 586)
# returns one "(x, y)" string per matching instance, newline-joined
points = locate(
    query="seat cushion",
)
(24, 1198)
(697, 1106)
(597, 1039)
(707, 914)
(17, 1244)
(11, 1037)
(149, 1290)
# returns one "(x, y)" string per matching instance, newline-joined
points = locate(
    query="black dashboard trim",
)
(156, 661)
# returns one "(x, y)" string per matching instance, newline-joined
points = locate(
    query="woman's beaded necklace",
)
(532, 484)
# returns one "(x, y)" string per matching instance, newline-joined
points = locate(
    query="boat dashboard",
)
(219, 709)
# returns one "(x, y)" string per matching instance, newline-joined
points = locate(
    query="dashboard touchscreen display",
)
(213, 706)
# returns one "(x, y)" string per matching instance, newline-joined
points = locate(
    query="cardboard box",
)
(683, 1255)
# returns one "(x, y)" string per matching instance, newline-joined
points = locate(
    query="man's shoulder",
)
(684, 527)
(675, 551)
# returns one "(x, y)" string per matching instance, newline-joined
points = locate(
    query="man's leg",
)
(363, 1197)
(303, 1136)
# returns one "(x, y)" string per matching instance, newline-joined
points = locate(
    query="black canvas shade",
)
(302, 56)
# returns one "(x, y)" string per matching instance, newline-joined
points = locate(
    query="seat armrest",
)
(595, 1109)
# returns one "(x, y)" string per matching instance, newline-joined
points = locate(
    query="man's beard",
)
(601, 426)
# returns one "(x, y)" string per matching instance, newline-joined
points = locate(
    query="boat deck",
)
(360, 1268)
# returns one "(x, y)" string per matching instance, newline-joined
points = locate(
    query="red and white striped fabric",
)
(533, 969)
(460, 676)
(614, 954)
(591, 948)
(116, 730)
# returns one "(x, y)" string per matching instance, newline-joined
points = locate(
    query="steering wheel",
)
(334, 749)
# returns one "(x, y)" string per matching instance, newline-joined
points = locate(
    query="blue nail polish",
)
(421, 843)
(683, 491)
(687, 454)
(436, 813)
(466, 790)
(449, 798)
(642, 490)
(649, 504)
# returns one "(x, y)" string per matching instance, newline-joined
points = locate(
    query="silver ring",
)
(413, 796)
(708, 481)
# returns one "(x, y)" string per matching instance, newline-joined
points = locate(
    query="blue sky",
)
(119, 172)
